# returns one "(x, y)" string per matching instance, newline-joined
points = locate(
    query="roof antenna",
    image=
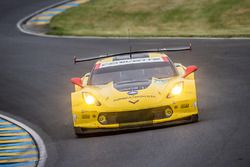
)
(190, 48)
(130, 47)
(107, 52)
(190, 45)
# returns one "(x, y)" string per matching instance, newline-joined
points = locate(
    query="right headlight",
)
(90, 99)
(176, 90)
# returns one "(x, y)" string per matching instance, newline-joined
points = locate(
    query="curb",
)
(30, 32)
(37, 139)
(38, 22)
(24, 20)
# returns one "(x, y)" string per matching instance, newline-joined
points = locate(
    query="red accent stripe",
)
(97, 66)
(76, 81)
(165, 59)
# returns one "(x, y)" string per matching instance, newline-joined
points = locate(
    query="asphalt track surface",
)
(34, 88)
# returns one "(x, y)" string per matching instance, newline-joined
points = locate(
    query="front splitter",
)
(136, 127)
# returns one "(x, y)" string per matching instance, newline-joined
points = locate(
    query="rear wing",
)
(176, 49)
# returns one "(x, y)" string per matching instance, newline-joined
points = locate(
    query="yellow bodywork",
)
(156, 95)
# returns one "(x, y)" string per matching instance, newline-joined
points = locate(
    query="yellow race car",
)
(134, 90)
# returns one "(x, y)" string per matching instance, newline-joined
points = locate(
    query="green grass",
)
(224, 18)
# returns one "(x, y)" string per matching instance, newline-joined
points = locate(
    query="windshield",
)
(132, 73)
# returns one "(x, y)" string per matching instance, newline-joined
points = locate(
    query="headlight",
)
(90, 99)
(176, 90)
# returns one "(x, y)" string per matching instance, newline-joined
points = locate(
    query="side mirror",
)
(87, 75)
(76, 81)
(189, 70)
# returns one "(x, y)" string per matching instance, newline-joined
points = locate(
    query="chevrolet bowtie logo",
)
(132, 92)
(133, 102)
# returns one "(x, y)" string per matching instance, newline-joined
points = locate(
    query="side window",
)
(85, 79)
(179, 68)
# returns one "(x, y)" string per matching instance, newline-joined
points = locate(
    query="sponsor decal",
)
(133, 97)
(131, 61)
(85, 116)
(184, 105)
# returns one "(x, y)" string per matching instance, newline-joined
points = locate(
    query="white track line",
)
(26, 18)
(22, 21)
(38, 140)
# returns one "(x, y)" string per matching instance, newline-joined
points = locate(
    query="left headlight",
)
(90, 99)
(176, 90)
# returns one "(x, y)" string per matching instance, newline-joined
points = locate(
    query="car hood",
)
(152, 96)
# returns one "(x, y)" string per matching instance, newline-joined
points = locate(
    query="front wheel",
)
(195, 118)
(79, 132)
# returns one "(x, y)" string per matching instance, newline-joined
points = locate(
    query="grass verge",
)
(146, 18)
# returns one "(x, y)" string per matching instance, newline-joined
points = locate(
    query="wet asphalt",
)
(35, 88)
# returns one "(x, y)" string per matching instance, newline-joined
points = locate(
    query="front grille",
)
(133, 116)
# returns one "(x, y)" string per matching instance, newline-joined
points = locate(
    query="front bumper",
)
(137, 125)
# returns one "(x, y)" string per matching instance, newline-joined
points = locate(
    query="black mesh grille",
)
(134, 116)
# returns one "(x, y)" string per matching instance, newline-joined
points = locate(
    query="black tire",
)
(195, 118)
(79, 132)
